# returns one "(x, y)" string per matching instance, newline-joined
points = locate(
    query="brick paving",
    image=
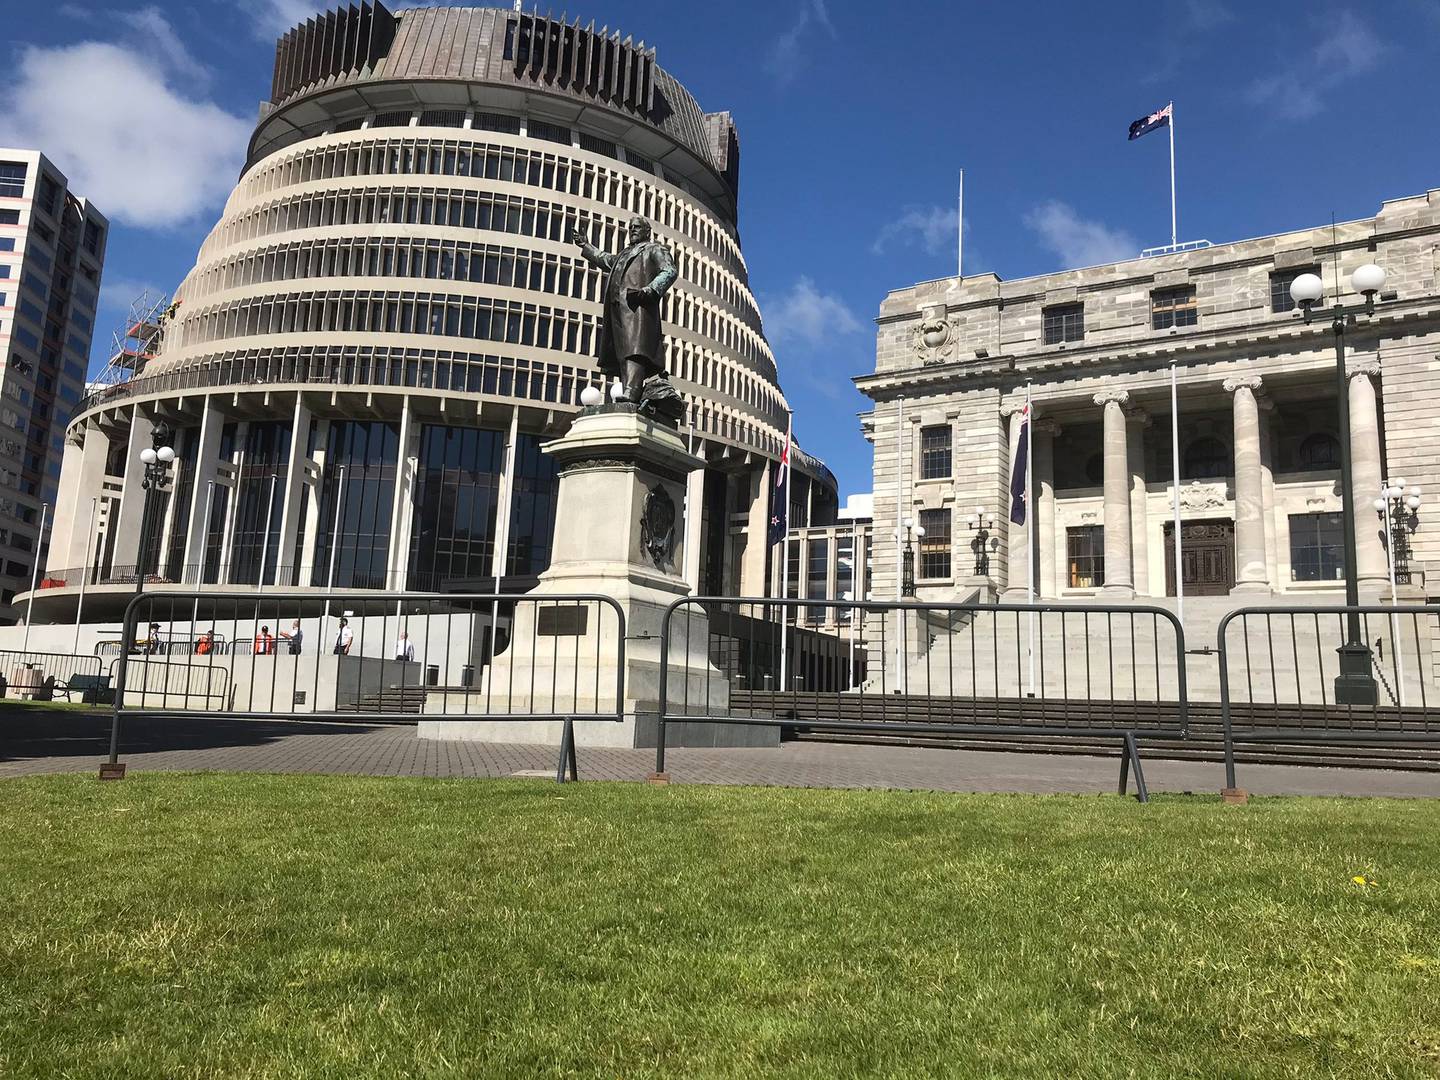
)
(52, 742)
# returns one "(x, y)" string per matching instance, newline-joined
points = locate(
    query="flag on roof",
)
(1146, 124)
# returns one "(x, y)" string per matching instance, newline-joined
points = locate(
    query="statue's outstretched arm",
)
(593, 255)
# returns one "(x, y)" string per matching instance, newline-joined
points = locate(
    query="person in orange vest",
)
(264, 642)
(205, 644)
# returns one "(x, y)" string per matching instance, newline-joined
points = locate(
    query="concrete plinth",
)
(619, 533)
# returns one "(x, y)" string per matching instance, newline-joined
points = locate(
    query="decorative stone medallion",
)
(1198, 496)
(935, 336)
(657, 525)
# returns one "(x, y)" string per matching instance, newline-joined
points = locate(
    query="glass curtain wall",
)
(456, 503)
(355, 512)
(260, 494)
(532, 508)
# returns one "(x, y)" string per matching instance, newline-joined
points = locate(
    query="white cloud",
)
(787, 55)
(931, 227)
(1297, 90)
(1076, 241)
(131, 135)
(807, 317)
(150, 30)
(1207, 14)
(118, 293)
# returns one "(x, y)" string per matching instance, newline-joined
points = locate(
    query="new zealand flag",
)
(779, 517)
(1146, 124)
(1019, 475)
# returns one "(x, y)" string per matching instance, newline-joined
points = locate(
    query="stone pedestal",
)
(619, 532)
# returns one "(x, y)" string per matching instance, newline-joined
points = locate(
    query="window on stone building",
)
(935, 544)
(1063, 322)
(1206, 459)
(1173, 307)
(12, 179)
(1085, 554)
(1280, 282)
(1319, 451)
(935, 452)
(1316, 547)
(817, 577)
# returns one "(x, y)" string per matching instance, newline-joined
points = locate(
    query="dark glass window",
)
(799, 494)
(792, 574)
(1319, 451)
(365, 454)
(597, 145)
(392, 119)
(1206, 458)
(540, 129)
(12, 179)
(1173, 307)
(1280, 282)
(443, 118)
(496, 122)
(935, 452)
(47, 195)
(1064, 322)
(260, 490)
(187, 447)
(817, 577)
(93, 235)
(532, 508)
(845, 571)
(452, 534)
(9, 217)
(1316, 547)
(1085, 553)
(935, 544)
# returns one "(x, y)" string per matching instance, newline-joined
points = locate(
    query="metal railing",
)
(559, 658)
(1278, 667)
(973, 670)
(45, 670)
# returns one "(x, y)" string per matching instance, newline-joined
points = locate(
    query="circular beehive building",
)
(388, 320)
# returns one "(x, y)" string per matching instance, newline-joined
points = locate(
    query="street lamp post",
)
(1355, 685)
(156, 459)
(911, 533)
(982, 525)
(1398, 507)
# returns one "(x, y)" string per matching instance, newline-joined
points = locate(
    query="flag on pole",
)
(780, 498)
(1019, 475)
(1146, 124)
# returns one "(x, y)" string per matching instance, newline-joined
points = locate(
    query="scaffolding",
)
(136, 342)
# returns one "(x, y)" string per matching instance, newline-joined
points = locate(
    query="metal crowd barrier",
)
(967, 671)
(1278, 670)
(45, 672)
(471, 656)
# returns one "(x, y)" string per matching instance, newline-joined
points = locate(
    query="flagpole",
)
(1174, 232)
(960, 229)
(1030, 520)
(1175, 489)
(785, 560)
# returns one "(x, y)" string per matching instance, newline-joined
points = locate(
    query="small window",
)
(484, 121)
(1085, 554)
(443, 118)
(1316, 547)
(1280, 282)
(9, 217)
(935, 452)
(1207, 458)
(1173, 307)
(1064, 322)
(1319, 451)
(392, 119)
(599, 146)
(539, 129)
(935, 544)
(93, 236)
(48, 195)
(12, 179)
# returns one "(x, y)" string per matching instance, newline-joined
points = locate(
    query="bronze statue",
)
(635, 280)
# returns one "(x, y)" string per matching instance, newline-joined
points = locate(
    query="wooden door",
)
(1207, 557)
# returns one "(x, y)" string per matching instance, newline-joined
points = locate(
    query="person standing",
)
(344, 638)
(295, 636)
(405, 648)
(264, 642)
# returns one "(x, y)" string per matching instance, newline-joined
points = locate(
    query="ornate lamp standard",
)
(1398, 508)
(982, 525)
(1355, 685)
(156, 459)
(912, 533)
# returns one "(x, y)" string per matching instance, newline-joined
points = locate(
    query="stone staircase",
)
(409, 700)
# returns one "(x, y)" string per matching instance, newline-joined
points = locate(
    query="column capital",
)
(1010, 408)
(1108, 397)
(1362, 366)
(1243, 382)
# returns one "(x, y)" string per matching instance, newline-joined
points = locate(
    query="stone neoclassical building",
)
(1259, 449)
(389, 319)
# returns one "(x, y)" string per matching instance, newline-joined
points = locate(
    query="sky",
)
(854, 121)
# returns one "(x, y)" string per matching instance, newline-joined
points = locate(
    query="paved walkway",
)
(52, 742)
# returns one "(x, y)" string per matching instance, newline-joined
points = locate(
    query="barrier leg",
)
(567, 762)
(1132, 758)
(1124, 766)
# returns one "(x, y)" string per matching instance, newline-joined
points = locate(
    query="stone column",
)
(752, 562)
(207, 455)
(292, 508)
(73, 542)
(1017, 574)
(1138, 420)
(1371, 568)
(133, 497)
(1250, 569)
(402, 516)
(1119, 577)
(1045, 539)
(694, 527)
(1267, 490)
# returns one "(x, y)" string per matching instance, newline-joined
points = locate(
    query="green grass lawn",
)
(263, 926)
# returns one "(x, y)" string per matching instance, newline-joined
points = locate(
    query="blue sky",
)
(854, 119)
